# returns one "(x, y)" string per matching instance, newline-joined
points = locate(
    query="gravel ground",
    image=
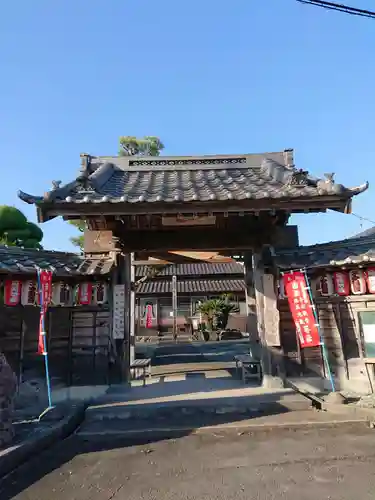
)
(336, 464)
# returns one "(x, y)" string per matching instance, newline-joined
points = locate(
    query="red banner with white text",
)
(45, 295)
(301, 309)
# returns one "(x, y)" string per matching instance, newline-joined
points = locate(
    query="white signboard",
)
(118, 325)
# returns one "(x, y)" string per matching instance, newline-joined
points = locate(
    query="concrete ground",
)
(314, 463)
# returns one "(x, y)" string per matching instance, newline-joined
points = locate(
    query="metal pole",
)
(43, 333)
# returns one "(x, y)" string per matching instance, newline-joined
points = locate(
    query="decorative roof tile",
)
(131, 180)
(191, 286)
(15, 260)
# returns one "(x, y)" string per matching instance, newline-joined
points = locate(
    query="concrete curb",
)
(16, 455)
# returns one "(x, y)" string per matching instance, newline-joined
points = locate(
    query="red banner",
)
(45, 296)
(41, 334)
(149, 316)
(301, 309)
(46, 288)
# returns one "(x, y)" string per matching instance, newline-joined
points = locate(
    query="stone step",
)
(195, 409)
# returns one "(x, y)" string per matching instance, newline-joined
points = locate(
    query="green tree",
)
(140, 146)
(217, 311)
(129, 146)
(16, 230)
(78, 241)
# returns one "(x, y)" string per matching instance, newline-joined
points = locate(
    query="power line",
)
(340, 8)
(364, 219)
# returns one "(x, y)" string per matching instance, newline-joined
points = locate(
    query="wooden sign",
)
(194, 220)
(118, 323)
(98, 241)
(271, 313)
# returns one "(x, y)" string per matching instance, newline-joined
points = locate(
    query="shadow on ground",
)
(64, 452)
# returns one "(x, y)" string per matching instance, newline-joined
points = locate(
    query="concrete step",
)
(196, 409)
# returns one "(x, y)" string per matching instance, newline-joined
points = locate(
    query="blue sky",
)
(207, 76)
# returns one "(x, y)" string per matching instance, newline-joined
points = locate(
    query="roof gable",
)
(166, 180)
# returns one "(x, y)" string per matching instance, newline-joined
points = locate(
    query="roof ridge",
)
(17, 249)
(330, 244)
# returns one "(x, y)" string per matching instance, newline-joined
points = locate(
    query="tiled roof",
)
(191, 286)
(193, 269)
(131, 179)
(350, 251)
(25, 261)
(366, 233)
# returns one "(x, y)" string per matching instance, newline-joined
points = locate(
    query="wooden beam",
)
(320, 204)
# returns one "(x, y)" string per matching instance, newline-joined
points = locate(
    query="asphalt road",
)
(335, 464)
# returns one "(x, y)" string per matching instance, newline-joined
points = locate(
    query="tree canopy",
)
(78, 241)
(140, 146)
(16, 230)
(129, 146)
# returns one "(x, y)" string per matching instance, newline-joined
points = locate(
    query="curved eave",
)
(29, 198)
(359, 189)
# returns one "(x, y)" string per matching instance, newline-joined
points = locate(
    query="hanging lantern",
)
(149, 316)
(325, 285)
(84, 294)
(29, 295)
(100, 293)
(12, 292)
(341, 282)
(315, 286)
(370, 279)
(357, 282)
(61, 294)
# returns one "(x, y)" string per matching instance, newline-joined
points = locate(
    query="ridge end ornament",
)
(299, 178)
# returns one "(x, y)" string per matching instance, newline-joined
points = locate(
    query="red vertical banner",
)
(45, 296)
(149, 316)
(46, 288)
(40, 338)
(301, 309)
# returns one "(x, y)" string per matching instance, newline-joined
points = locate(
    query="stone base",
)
(269, 382)
(335, 398)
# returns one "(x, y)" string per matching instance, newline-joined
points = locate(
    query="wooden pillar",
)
(251, 322)
(132, 309)
(267, 316)
(129, 314)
